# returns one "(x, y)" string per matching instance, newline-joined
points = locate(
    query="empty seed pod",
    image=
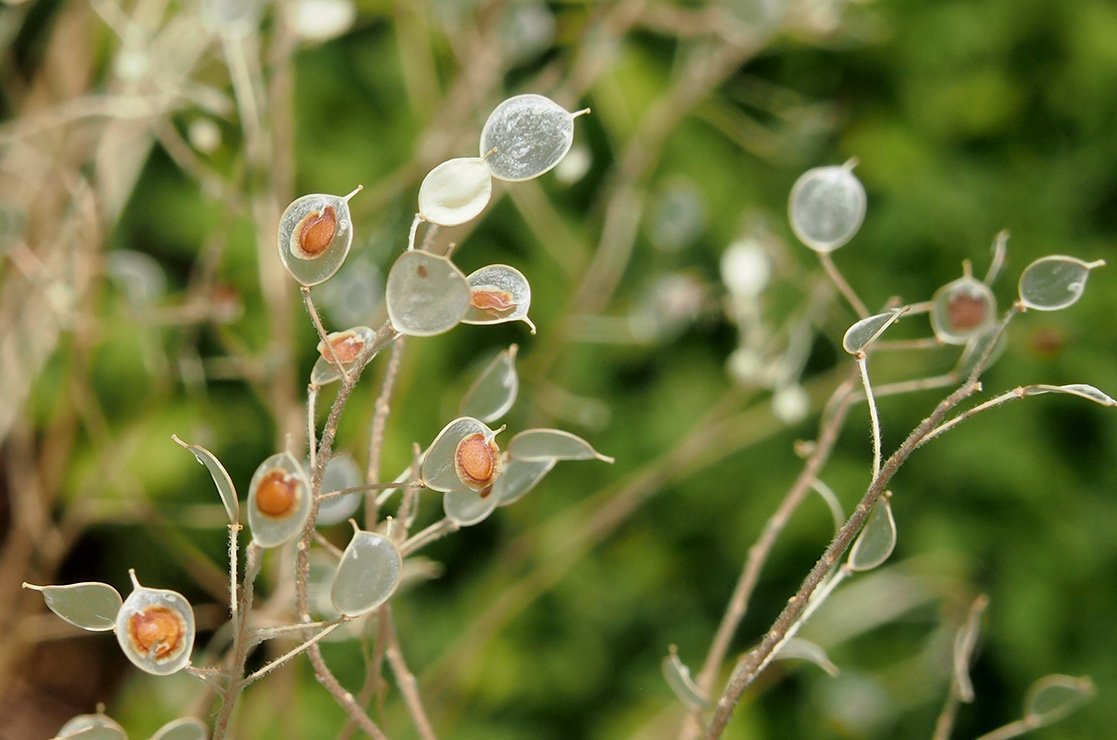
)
(1053, 697)
(351, 347)
(962, 310)
(552, 444)
(877, 539)
(89, 605)
(426, 294)
(1055, 282)
(466, 508)
(495, 389)
(221, 479)
(799, 649)
(341, 472)
(367, 575)
(92, 727)
(278, 500)
(826, 207)
(677, 675)
(867, 330)
(455, 191)
(525, 136)
(315, 233)
(155, 629)
(498, 293)
(518, 478)
(463, 456)
(186, 728)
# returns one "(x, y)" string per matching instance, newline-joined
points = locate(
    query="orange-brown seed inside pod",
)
(966, 311)
(156, 631)
(492, 299)
(313, 234)
(477, 461)
(277, 493)
(347, 346)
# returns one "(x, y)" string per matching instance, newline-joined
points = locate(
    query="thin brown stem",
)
(408, 686)
(376, 436)
(843, 285)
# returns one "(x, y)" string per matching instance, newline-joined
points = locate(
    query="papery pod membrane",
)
(826, 207)
(1082, 390)
(306, 224)
(682, 685)
(961, 310)
(799, 649)
(466, 508)
(877, 539)
(92, 727)
(439, 471)
(519, 477)
(186, 728)
(225, 488)
(525, 136)
(90, 605)
(498, 293)
(278, 515)
(425, 294)
(367, 575)
(494, 391)
(1055, 282)
(455, 191)
(352, 348)
(155, 629)
(552, 444)
(868, 330)
(341, 472)
(1053, 697)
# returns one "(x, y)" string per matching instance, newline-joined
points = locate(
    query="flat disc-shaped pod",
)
(826, 207)
(89, 605)
(498, 293)
(426, 294)
(961, 310)
(155, 629)
(442, 463)
(552, 444)
(467, 507)
(92, 727)
(367, 575)
(867, 330)
(351, 347)
(525, 136)
(495, 389)
(877, 539)
(341, 472)
(278, 500)
(1055, 282)
(315, 233)
(518, 478)
(455, 191)
(187, 728)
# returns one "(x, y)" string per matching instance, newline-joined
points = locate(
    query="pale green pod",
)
(877, 539)
(1055, 282)
(497, 294)
(278, 500)
(1053, 697)
(826, 207)
(866, 331)
(367, 575)
(961, 310)
(155, 629)
(352, 348)
(221, 479)
(186, 728)
(494, 391)
(519, 477)
(89, 605)
(525, 136)
(468, 507)
(341, 472)
(552, 444)
(425, 294)
(677, 675)
(455, 191)
(91, 727)
(315, 234)
(440, 463)
(799, 649)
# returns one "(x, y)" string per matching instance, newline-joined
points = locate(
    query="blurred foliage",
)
(549, 620)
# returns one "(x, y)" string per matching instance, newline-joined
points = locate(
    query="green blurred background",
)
(550, 619)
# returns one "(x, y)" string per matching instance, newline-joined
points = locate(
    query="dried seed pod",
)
(455, 191)
(498, 293)
(525, 136)
(477, 461)
(962, 309)
(826, 207)
(350, 346)
(367, 575)
(426, 294)
(278, 500)
(155, 629)
(462, 457)
(315, 234)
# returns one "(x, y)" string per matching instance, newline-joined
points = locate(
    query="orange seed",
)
(492, 299)
(347, 346)
(156, 631)
(314, 233)
(277, 493)
(966, 311)
(477, 461)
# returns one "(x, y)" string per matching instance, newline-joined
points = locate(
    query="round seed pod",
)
(155, 629)
(498, 293)
(455, 191)
(315, 233)
(466, 508)
(278, 500)
(525, 136)
(826, 207)
(186, 728)
(92, 727)
(464, 456)
(961, 310)
(367, 575)
(426, 294)
(351, 347)
(341, 472)
(1055, 282)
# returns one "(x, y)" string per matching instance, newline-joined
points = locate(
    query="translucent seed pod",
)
(525, 136)
(155, 629)
(464, 455)
(518, 478)
(962, 310)
(455, 191)
(186, 728)
(866, 331)
(1055, 282)
(367, 575)
(552, 444)
(351, 347)
(221, 479)
(278, 500)
(498, 293)
(89, 605)
(877, 539)
(494, 391)
(1053, 697)
(678, 678)
(315, 233)
(425, 294)
(341, 472)
(466, 508)
(92, 727)
(826, 207)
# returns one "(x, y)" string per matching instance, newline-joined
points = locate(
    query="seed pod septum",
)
(477, 461)
(314, 233)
